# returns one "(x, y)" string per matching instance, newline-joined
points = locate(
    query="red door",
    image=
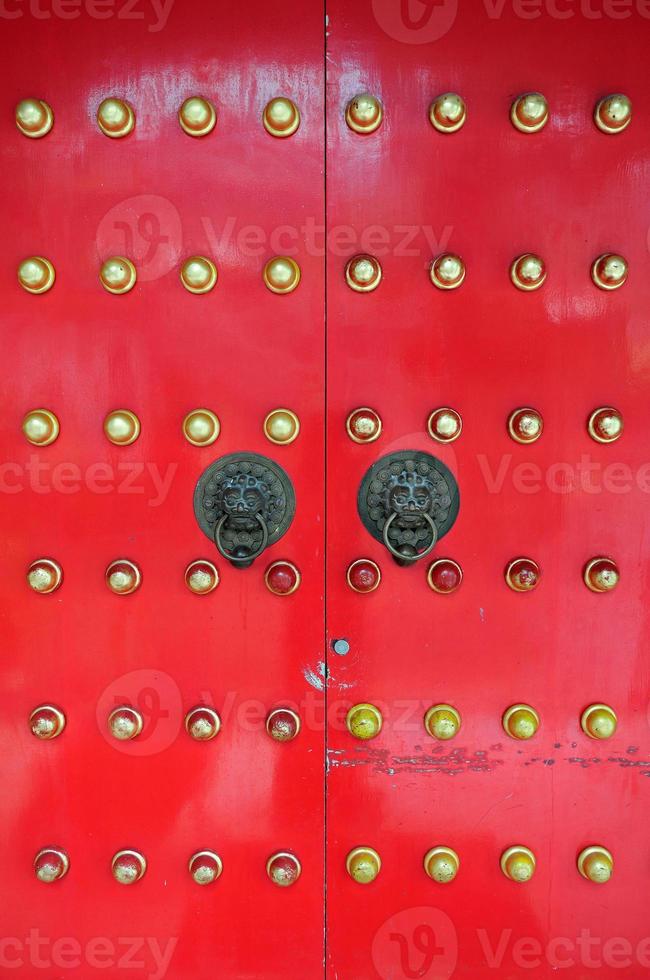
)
(408, 193)
(158, 196)
(288, 607)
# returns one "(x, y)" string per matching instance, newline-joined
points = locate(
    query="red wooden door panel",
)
(159, 196)
(406, 194)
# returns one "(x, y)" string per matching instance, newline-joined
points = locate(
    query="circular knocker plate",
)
(408, 501)
(244, 502)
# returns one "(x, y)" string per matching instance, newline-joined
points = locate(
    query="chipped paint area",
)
(440, 760)
(315, 676)
(458, 761)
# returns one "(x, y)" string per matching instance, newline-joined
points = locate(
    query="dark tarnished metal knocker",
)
(408, 501)
(244, 503)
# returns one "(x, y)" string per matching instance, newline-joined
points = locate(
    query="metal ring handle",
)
(236, 559)
(410, 558)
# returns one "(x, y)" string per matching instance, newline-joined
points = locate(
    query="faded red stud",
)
(282, 578)
(283, 868)
(601, 574)
(522, 574)
(283, 724)
(363, 425)
(363, 575)
(444, 576)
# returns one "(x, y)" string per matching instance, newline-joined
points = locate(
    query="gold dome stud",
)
(281, 274)
(46, 722)
(115, 118)
(613, 114)
(197, 116)
(123, 577)
(522, 574)
(525, 425)
(125, 723)
(283, 868)
(205, 867)
(444, 576)
(201, 577)
(520, 721)
(282, 724)
(117, 275)
(609, 271)
(605, 424)
(599, 721)
(202, 723)
(363, 864)
(201, 427)
(363, 425)
(364, 721)
(36, 274)
(442, 721)
(441, 864)
(529, 112)
(518, 863)
(44, 576)
(128, 866)
(281, 426)
(596, 864)
(601, 574)
(34, 118)
(363, 273)
(448, 113)
(528, 272)
(281, 117)
(121, 427)
(41, 427)
(364, 114)
(198, 274)
(445, 425)
(51, 864)
(447, 271)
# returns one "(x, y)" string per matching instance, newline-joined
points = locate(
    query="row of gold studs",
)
(364, 114)
(600, 574)
(202, 723)
(201, 427)
(124, 577)
(282, 274)
(518, 863)
(363, 575)
(128, 866)
(443, 721)
(363, 721)
(524, 425)
(363, 864)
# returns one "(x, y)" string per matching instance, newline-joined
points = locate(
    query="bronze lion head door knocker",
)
(408, 501)
(244, 503)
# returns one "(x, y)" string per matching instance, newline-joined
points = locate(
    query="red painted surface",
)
(159, 196)
(490, 193)
(405, 194)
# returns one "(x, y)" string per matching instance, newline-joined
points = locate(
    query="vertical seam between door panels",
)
(325, 499)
